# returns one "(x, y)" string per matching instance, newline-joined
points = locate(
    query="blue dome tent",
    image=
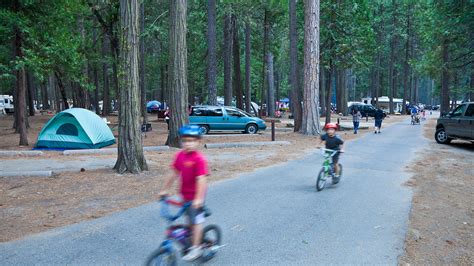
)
(75, 128)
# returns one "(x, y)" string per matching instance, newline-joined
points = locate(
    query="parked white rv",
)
(6, 104)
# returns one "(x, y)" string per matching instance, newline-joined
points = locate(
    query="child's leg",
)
(197, 234)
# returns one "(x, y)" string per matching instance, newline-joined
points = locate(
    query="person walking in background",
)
(379, 115)
(167, 116)
(356, 116)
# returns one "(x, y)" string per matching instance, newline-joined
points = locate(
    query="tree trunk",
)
(271, 86)
(105, 73)
(339, 89)
(393, 45)
(311, 124)
(248, 94)
(293, 78)
(228, 60)
(44, 96)
(211, 53)
(322, 91)
(178, 87)
(130, 150)
(329, 76)
(266, 39)
(239, 95)
(445, 76)
(62, 89)
(162, 82)
(406, 65)
(142, 64)
(20, 101)
(31, 93)
(277, 86)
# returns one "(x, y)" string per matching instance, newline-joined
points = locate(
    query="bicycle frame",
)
(328, 163)
(179, 233)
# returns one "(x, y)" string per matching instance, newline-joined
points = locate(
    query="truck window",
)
(470, 110)
(214, 112)
(459, 111)
(233, 112)
(198, 111)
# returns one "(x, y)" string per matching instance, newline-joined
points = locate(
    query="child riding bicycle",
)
(333, 141)
(190, 166)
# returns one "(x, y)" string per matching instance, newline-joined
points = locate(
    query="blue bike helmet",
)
(190, 131)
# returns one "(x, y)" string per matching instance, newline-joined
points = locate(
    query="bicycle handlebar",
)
(333, 152)
(164, 210)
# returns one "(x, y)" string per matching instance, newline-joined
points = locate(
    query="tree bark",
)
(31, 93)
(105, 73)
(239, 95)
(266, 39)
(329, 76)
(130, 150)
(62, 89)
(293, 78)
(406, 65)
(228, 60)
(311, 124)
(393, 45)
(20, 101)
(248, 93)
(271, 86)
(211, 53)
(142, 63)
(178, 87)
(44, 96)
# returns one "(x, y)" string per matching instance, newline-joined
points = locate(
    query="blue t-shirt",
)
(414, 110)
(333, 142)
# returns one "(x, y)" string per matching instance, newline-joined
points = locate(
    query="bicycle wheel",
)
(335, 179)
(162, 257)
(321, 181)
(211, 240)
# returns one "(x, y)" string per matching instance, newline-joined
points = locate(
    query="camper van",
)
(6, 104)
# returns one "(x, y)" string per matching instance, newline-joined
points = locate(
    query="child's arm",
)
(169, 182)
(201, 191)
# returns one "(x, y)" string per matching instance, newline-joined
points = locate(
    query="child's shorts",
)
(195, 216)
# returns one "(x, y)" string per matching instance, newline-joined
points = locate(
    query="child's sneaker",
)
(193, 254)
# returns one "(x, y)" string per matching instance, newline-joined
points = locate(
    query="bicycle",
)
(415, 119)
(328, 169)
(181, 235)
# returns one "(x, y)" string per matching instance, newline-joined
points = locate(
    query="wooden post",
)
(273, 130)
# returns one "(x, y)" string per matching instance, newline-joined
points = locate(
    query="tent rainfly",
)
(75, 128)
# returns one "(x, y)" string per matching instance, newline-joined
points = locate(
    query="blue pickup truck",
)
(225, 118)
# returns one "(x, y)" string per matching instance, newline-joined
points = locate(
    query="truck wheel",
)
(203, 129)
(441, 137)
(251, 129)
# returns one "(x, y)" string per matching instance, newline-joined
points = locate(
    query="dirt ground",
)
(35, 204)
(441, 224)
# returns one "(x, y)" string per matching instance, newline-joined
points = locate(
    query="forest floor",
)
(35, 204)
(441, 227)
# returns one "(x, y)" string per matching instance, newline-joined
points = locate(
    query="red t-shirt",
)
(190, 165)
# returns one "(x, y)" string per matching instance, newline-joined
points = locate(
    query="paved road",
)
(272, 216)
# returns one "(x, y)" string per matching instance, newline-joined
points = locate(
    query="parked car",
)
(457, 124)
(225, 118)
(365, 109)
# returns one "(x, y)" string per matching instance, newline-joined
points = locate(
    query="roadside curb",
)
(110, 150)
(27, 174)
(244, 144)
(6, 154)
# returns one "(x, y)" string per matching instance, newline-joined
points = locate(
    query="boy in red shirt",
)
(190, 166)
